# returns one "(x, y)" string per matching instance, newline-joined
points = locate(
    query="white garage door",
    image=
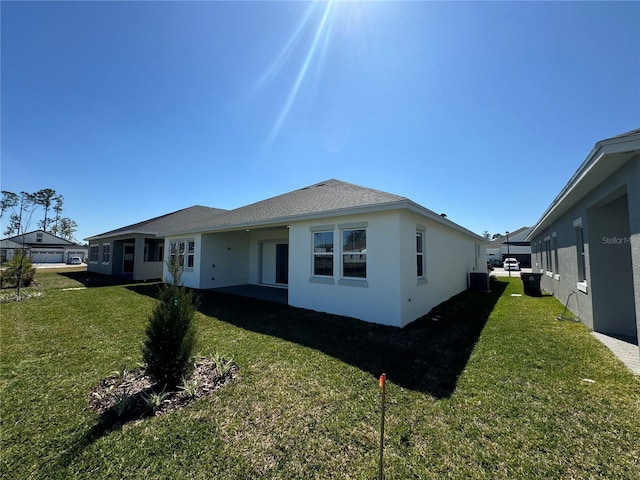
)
(46, 256)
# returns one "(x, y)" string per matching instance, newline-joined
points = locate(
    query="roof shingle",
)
(328, 196)
(185, 218)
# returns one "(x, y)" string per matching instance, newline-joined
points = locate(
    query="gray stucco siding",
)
(610, 215)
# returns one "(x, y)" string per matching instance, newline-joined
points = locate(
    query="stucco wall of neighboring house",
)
(610, 211)
(633, 197)
(563, 282)
(224, 259)
(376, 298)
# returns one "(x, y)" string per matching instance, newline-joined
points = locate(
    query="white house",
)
(137, 250)
(587, 242)
(43, 247)
(336, 247)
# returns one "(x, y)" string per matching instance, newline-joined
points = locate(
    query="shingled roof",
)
(184, 219)
(330, 196)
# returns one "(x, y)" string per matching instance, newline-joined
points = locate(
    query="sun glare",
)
(312, 34)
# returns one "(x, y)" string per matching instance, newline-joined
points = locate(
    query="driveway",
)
(501, 272)
(40, 266)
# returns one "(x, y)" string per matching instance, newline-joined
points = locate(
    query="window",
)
(180, 248)
(582, 270)
(556, 263)
(323, 254)
(420, 254)
(105, 252)
(354, 253)
(93, 254)
(39, 237)
(191, 253)
(173, 250)
(547, 251)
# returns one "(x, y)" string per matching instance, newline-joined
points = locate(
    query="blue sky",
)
(481, 110)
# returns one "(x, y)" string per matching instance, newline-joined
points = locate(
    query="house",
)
(43, 247)
(587, 242)
(334, 246)
(8, 249)
(138, 250)
(513, 246)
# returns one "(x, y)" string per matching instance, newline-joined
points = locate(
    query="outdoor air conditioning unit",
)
(479, 281)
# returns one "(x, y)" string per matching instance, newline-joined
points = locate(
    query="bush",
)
(170, 335)
(20, 261)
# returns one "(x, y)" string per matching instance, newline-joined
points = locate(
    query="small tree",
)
(19, 271)
(170, 333)
(20, 220)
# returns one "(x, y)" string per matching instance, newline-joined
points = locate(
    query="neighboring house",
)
(515, 246)
(138, 250)
(8, 249)
(587, 243)
(43, 247)
(337, 248)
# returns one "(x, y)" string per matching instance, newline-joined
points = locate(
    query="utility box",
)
(479, 281)
(531, 284)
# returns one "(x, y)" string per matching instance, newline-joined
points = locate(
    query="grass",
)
(494, 389)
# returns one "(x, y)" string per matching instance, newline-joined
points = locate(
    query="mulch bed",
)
(103, 399)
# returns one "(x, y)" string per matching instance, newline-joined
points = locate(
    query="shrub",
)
(19, 263)
(222, 365)
(155, 400)
(170, 334)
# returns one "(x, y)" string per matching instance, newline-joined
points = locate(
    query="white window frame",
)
(190, 254)
(94, 252)
(106, 253)
(360, 255)
(556, 257)
(547, 256)
(173, 250)
(581, 259)
(180, 246)
(323, 254)
(420, 253)
(347, 280)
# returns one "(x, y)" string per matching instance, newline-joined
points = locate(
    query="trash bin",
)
(531, 284)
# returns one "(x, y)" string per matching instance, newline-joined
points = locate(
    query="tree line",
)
(488, 237)
(22, 207)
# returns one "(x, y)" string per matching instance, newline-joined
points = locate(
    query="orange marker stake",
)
(383, 381)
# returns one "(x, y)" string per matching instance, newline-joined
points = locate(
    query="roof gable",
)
(515, 236)
(6, 243)
(40, 237)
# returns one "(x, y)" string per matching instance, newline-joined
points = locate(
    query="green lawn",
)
(493, 389)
